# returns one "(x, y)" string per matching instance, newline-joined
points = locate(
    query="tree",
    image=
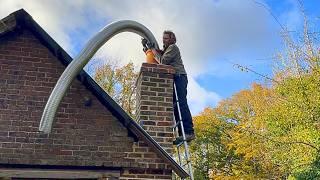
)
(119, 83)
(293, 123)
(209, 152)
(247, 136)
(260, 134)
(294, 120)
(268, 132)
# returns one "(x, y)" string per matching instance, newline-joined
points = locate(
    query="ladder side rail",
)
(175, 131)
(183, 135)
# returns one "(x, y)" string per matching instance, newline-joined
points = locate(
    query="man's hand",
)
(144, 44)
(160, 51)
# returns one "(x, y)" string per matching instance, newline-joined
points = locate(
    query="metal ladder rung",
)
(177, 124)
(187, 163)
(176, 143)
(181, 143)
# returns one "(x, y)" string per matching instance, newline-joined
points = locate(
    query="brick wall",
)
(81, 135)
(155, 107)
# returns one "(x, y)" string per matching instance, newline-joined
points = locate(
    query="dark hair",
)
(173, 39)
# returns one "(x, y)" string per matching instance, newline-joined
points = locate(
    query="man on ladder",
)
(171, 56)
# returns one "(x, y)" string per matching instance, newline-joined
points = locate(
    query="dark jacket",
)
(171, 56)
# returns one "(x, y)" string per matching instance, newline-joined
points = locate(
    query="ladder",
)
(182, 147)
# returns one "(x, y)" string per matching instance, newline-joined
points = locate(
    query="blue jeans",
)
(181, 82)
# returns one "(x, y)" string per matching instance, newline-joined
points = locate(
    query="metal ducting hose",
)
(82, 59)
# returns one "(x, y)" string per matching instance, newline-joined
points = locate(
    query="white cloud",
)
(58, 18)
(292, 19)
(204, 29)
(200, 98)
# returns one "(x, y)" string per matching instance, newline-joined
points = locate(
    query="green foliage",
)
(266, 132)
(210, 155)
(119, 83)
(313, 172)
(262, 133)
(293, 123)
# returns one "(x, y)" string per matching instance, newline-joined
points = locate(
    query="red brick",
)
(135, 155)
(165, 123)
(149, 155)
(11, 145)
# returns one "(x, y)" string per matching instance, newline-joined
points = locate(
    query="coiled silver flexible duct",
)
(82, 59)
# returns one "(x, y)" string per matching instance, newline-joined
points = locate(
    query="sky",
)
(214, 36)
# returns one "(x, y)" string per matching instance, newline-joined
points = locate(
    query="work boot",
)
(189, 138)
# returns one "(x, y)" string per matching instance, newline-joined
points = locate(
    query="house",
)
(96, 140)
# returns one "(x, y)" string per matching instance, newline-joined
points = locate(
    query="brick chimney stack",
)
(155, 102)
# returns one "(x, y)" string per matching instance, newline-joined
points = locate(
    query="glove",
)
(144, 43)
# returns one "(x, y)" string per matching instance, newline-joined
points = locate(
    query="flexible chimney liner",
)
(82, 59)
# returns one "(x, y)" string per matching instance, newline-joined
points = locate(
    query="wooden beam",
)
(57, 173)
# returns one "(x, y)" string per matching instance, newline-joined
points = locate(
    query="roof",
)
(21, 19)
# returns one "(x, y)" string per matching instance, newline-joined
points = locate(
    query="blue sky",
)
(213, 35)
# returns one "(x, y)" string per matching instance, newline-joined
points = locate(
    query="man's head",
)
(168, 38)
